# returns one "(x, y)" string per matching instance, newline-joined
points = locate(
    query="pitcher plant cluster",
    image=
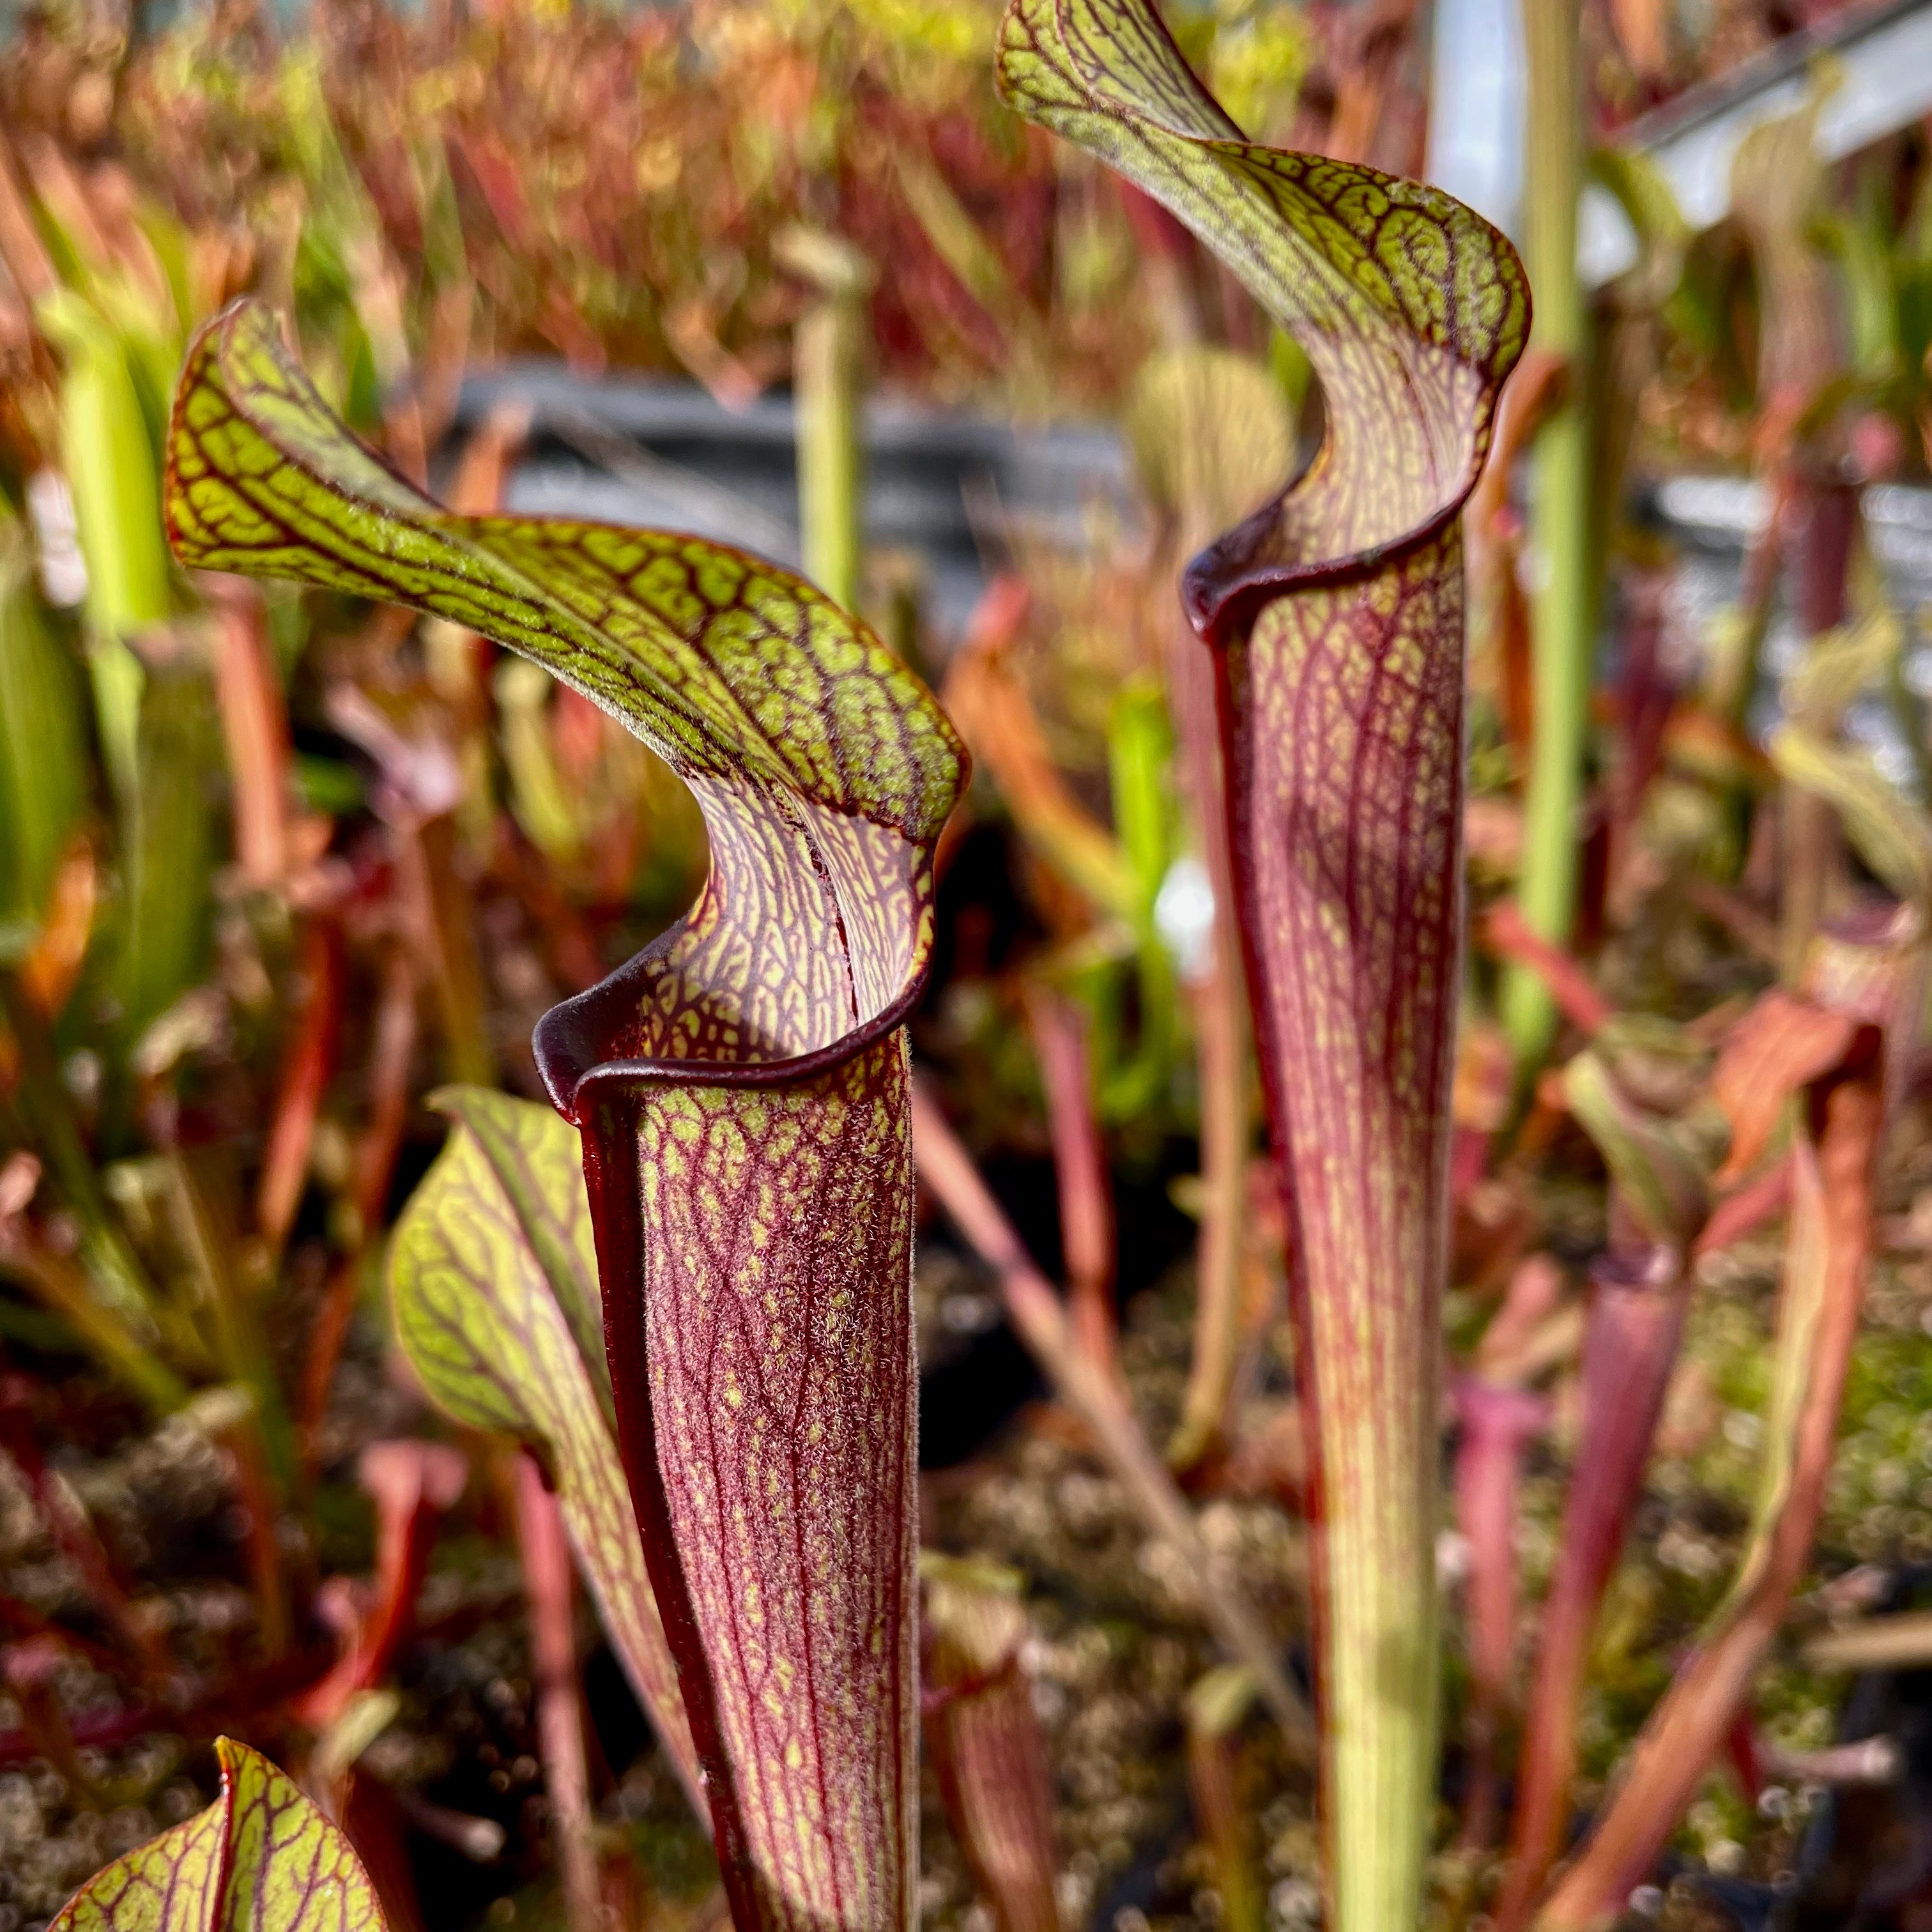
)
(683, 1293)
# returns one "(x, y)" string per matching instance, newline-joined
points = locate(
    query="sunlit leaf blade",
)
(42, 755)
(538, 1162)
(1337, 614)
(260, 1858)
(742, 1086)
(1892, 836)
(492, 1277)
(169, 832)
(824, 770)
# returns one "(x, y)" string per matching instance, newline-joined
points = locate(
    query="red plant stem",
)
(391, 1056)
(1826, 517)
(1080, 1168)
(1833, 1173)
(480, 1839)
(1510, 934)
(374, 1822)
(413, 1483)
(548, 1578)
(1646, 696)
(306, 1065)
(1630, 1345)
(1497, 1419)
(1040, 1322)
(254, 722)
(1742, 1751)
(260, 1504)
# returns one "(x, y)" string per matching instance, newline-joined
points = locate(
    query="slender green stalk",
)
(1565, 608)
(829, 383)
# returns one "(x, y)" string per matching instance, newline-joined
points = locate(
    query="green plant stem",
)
(1564, 639)
(828, 351)
(208, 1237)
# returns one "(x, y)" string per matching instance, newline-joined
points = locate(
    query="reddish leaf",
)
(1780, 1045)
(1630, 1345)
(1875, 975)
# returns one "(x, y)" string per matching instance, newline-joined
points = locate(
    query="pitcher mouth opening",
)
(580, 1044)
(1226, 586)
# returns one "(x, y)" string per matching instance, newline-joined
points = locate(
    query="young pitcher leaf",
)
(1654, 1164)
(260, 1858)
(742, 1086)
(995, 1774)
(493, 1278)
(1630, 1341)
(1336, 617)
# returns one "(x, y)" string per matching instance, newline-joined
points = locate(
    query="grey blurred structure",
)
(1477, 101)
(1712, 521)
(951, 488)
